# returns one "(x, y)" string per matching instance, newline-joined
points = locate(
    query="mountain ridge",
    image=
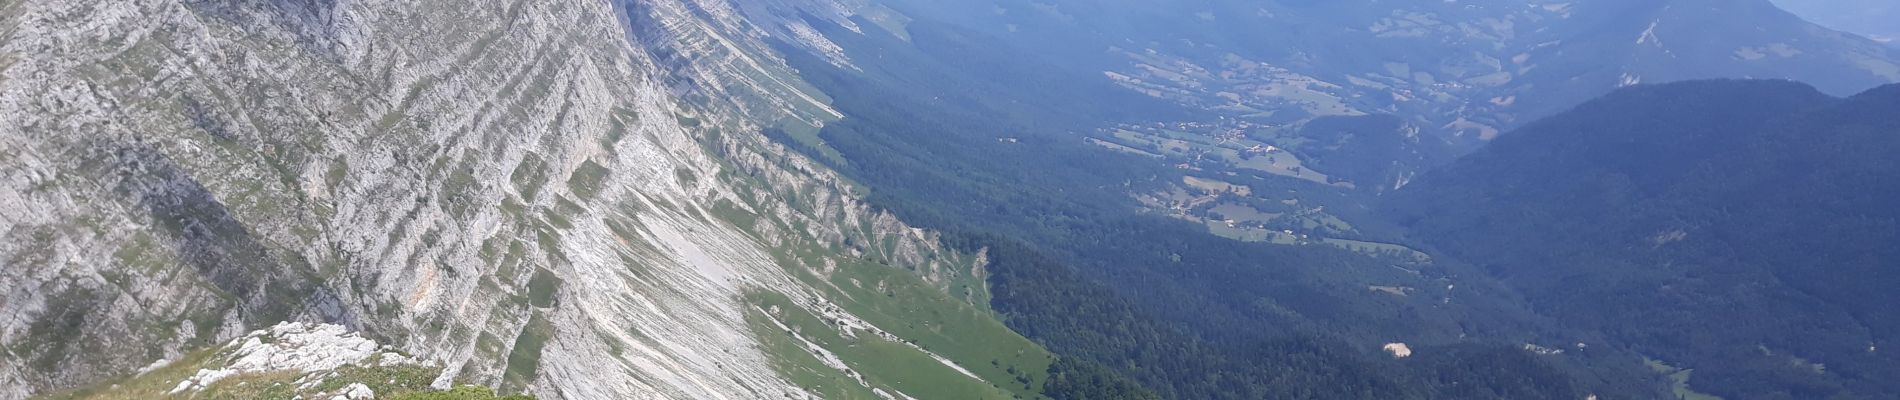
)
(541, 196)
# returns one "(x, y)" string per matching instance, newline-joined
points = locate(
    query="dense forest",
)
(1378, 151)
(1120, 292)
(1741, 229)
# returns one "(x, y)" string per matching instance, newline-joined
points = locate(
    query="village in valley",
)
(1243, 182)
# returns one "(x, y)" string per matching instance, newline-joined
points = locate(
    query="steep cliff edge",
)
(565, 198)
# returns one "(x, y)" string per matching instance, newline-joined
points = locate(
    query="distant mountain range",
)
(1467, 69)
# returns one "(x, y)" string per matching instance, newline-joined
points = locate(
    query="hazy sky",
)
(1879, 19)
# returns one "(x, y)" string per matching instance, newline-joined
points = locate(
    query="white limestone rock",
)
(1398, 350)
(357, 391)
(298, 347)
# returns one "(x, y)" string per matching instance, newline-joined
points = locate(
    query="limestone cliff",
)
(565, 198)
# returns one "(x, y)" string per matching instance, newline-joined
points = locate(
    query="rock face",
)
(538, 194)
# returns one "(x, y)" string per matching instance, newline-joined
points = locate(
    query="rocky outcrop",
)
(299, 348)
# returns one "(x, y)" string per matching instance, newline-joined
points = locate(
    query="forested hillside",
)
(1742, 229)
